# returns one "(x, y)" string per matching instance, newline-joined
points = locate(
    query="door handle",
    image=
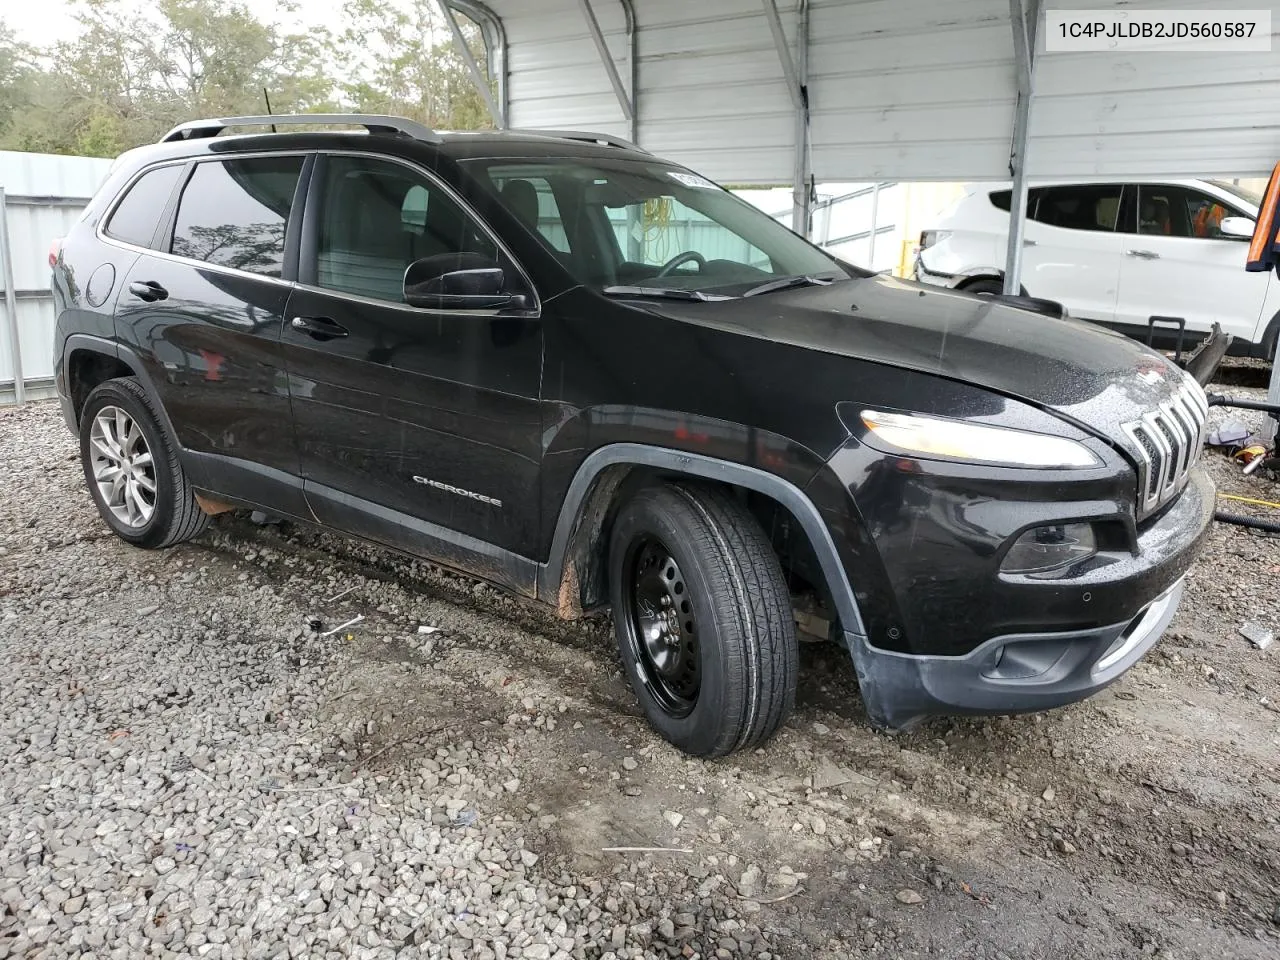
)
(322, 328)
(1028, 243)
(148, 291)
(1143, 254)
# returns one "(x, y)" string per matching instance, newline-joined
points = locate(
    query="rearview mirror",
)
(458, 281)
(1236, 228)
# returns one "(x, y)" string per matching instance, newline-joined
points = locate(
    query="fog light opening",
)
(1051, 547)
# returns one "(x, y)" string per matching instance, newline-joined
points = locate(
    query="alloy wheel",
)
(123, 467)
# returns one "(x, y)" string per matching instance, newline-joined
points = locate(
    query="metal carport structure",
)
(799, 91)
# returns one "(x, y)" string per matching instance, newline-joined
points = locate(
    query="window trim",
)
(172, 207)
(309, 246)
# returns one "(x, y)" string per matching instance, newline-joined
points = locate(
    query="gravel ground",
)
(188, 767)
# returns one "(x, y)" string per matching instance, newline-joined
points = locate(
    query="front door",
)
(1071, 249)
(416, 427)
(1175, 264)
(204, 313)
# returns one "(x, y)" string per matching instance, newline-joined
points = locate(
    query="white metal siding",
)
(1170, 114)
(711, 90)
(32, 228)
(901, 89)
(910, 89)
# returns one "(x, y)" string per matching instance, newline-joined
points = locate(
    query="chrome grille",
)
(1167, 443)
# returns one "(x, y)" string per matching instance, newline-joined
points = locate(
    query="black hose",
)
(1240, 521)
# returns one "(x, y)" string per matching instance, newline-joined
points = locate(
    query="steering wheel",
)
(689, 256)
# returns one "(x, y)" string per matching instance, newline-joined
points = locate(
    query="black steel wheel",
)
(660, 626)
(702, 618)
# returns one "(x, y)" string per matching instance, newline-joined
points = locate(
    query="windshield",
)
(640, 228)
(1235, 189)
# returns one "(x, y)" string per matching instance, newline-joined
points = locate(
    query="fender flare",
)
(551, 575)
(117, 351)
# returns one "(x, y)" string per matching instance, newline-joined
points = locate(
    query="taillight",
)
(929, 237)
(55, 250)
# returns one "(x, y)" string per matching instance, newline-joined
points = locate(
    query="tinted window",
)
(1003, 200)
(1206, 215)
(1166, 211)
(378, 217)
(1086, 207)
(533, 202)
(135, 218)
(233, 213)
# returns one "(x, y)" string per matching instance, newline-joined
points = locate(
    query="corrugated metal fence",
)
(41, 196)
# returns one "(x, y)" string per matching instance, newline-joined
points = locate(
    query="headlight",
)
(961, 440)
(1048, 548)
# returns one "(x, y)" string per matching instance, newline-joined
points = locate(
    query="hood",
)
(1087, 374)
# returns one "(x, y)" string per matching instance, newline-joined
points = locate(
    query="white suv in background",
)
(1119, 254)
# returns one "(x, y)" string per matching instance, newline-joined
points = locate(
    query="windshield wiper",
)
(667, 293)
(786, 283)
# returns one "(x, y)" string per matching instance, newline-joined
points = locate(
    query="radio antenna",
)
(267, 97)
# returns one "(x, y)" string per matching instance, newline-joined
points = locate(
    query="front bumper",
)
(1024, 672)
(921, 274)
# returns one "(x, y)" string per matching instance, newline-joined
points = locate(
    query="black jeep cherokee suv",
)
(593, 377)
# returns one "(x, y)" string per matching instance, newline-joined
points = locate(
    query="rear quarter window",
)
(136, 216)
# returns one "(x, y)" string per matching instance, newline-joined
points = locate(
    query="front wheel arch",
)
(573, 578)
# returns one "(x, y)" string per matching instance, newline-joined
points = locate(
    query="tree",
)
(133, 72)
(135, 69)
(404, 62)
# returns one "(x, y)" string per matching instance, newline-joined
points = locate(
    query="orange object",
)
(1262, 248)
(1250, 453)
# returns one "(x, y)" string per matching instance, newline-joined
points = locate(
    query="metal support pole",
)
(1024, 24)
(795, 72)
(11, 305)
(477, 75)
(633, 69)
(1271, 426)
(875, 218)
(606, 58)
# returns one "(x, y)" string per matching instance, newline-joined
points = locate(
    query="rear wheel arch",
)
(1265, 349)
(575, 579)
(89, 358)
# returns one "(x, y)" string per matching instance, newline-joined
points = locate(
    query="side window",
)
(1003, 200)
(135, 218)
(1206, 214)
(1093, 207)
(533, 202)
(377, 218)
(1163, 212)
(233, 213)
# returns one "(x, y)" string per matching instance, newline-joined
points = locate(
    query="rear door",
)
(204, 310)
(419, 428)
(1071, 249)
(1176, 264)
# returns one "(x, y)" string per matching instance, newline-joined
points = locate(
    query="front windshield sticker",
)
(691, 179)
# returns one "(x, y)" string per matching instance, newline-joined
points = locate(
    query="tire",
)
(718, 672)
(161, 517)
(983, 286)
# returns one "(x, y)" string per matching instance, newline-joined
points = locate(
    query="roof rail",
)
(585, 136)
(374, 123)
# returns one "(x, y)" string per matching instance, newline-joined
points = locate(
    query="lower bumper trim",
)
(1019, 673)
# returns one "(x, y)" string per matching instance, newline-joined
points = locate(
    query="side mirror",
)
(1236, 228)
(458, 282)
